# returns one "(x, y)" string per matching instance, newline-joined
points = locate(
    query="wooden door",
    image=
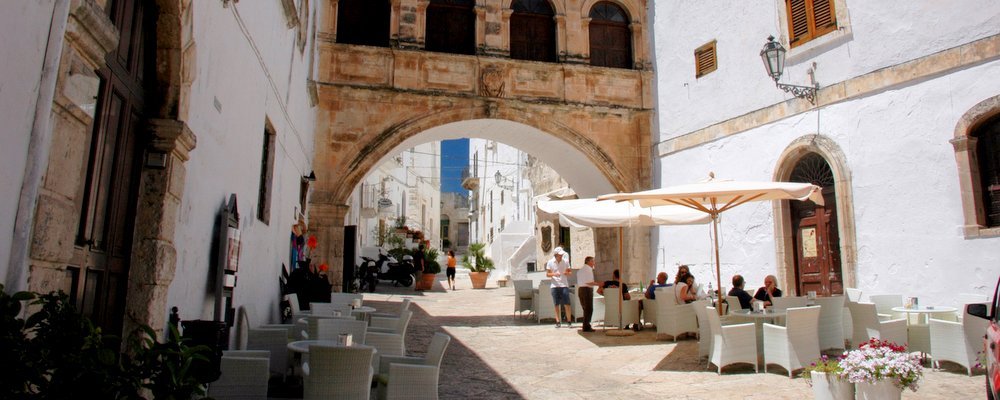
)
(610, 36)
(451, 27)
(103, 248)
(816, 241)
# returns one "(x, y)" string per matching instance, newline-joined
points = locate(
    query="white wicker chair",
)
(796, 344)
(293, 301)
(958, 342)
(784, 303)
(649, 306)
(544, 306)
(391, 325)
(398, 334)
(403, 306)
(523, 296)
(275, 341)
(330, 309)
(337, 372)
(831, 327)
(704, 330)
(331, 328)
(731, 344)
(884, 304)
(853, 294)
(244, 376)
(674, 319)
(734, 304)
(402, 382)
(629, 312)
(867, 325)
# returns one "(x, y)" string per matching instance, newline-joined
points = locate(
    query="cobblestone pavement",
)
(494, 354)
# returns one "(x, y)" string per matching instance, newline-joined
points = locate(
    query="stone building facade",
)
(399, 80)
(147, 117)
(899, 135)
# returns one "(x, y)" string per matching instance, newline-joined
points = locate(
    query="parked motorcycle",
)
(366, 275)
(400, 273)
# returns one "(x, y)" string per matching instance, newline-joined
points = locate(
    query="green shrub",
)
(432, 266)
(477, 252)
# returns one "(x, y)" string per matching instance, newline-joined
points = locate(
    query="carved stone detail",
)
(491, 82)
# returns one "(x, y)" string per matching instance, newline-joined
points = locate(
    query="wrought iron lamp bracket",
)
(806, 92)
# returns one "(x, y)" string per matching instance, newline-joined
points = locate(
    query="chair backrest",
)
(784, 303)
(338, 372)
(290, 329)
(665, 297)
(243, 324)
(403, 322)
(864, 319)
(704, 331)
(331, 328)
(522, 287)
(241, 378)
(293, 301)
(734, 303)
(275, 341)
(435, 350)
(330, 309)
(831, 322)
(345, 298)
(885, 302)
(714, 323)
(803, 321)
(853, 294)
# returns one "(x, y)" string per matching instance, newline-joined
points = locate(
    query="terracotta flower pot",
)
(426, 281)
(478, 279)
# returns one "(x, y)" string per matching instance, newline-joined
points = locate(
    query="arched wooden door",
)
(817, 244)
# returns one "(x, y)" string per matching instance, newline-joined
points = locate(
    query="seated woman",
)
(685, 289)
(769, 291)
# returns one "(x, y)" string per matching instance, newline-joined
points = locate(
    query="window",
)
(532, 31)
(809, 19)
(705, 60)
(988, 152)
(266, 170)
(451, 26)
(363, 22)
(610, 36)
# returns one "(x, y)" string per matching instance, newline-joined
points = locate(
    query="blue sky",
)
(454, 158)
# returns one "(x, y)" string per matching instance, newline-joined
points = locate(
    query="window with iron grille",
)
(705, 60)
(266, 171)
(532, 31)
(451, 26)
(610, 36)
(809, 19)
(364, 22)
(988, 152)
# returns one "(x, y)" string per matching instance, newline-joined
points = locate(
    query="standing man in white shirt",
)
(585, 284)
(559, 270)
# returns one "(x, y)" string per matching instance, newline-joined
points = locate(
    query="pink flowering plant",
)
(827, 365)
(877, 360)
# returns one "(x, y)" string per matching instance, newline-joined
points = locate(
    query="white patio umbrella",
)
(591, 213)
(712, 197)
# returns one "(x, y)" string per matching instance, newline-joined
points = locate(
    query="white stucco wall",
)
(907, 204)
(24, 27)
(873, 35)
(255, 76)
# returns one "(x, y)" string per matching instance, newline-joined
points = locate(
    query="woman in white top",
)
(684, 291)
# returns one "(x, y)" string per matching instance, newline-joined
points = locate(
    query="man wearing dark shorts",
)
(558, 269)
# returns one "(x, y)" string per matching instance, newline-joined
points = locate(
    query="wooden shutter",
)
(809, 19)
(705, 59)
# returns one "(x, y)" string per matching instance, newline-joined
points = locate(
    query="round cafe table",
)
(302, 346)
(758, 320)
(924, 312)
(918, 333)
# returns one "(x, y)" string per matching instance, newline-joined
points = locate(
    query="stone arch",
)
(964, 145)
(397, 136)
(557, 6)
(784, 249)
(634, 12)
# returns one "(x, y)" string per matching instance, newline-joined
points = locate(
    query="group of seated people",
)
(765, 294)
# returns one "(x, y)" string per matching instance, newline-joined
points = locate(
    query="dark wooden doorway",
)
(610, 36)
(815, 235)
(451, 27)
(103, 248)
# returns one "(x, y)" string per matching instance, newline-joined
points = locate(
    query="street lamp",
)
(773, 55)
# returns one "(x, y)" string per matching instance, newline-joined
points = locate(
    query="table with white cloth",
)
(770, 315)
(918, 334)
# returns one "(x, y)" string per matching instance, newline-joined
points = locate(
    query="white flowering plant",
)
(877, 360)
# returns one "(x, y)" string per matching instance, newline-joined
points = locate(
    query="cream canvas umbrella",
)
(712, 197)
(591, 213)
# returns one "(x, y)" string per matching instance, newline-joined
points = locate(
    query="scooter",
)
(401, 273)
(366, 276)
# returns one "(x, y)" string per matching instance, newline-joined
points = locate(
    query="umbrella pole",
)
(718, 273)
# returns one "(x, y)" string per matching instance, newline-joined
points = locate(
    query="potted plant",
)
(431, 268)
(476, 261)
(827, 379)
(881, 370)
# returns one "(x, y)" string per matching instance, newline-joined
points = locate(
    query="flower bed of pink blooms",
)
(877, 360)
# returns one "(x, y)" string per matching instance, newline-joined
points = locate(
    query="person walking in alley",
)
(559, 270)
(585, 291)
(450, 271)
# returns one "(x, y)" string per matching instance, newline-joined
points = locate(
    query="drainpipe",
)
(38, 151)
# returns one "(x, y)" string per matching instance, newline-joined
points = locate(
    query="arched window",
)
(364, 22)
(988, 152)
(610, 36)
(451, 26)
(532, 31)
